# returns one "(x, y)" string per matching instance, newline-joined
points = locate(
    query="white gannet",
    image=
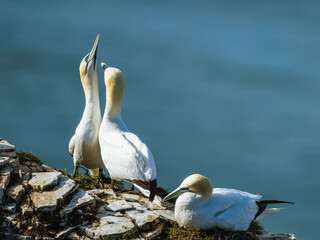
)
(201, 207)
(84, 144)
(124, 155)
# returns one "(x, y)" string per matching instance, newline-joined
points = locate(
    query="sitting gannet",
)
(201, 207)
(84, 145)
(125, 156)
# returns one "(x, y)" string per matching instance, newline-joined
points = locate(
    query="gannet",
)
(124, 155)
(84, 144)
(201, 207)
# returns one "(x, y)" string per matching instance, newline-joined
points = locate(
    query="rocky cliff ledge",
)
(40, 202)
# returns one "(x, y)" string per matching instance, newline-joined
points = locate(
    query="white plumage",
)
(203, 207)
(125, 156)
(84, 144)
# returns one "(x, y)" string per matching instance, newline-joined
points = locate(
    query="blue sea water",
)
(227, 89)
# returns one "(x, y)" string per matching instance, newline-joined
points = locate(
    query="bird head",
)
(195, 183)
(88, 66)
(114, 81)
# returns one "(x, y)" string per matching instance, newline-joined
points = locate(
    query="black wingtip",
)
(262, 205)
(273, 202)
(161, 192)
(153, 189)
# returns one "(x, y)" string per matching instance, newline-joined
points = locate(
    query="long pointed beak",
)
(176, 193)
(104, 66)
(94, 50)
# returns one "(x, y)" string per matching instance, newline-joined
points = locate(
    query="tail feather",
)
(149, 187)
(264, 211)
(272, 202)
(153, 189)
(268, 212)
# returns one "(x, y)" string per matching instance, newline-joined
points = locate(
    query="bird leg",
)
(99, 180)
(75, 171)
(112, 184)
(87, 171)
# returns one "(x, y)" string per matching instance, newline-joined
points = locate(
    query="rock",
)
(155, 233)
(43, 180)
(26, 177)
(138, 206)
(6, 147)
(5, 176)
(106, 193)
(33, 164)
(27, 163)
(63, 234)
(102, 212)
(131, 197)
(119, 205)
(25, 238)
(48, 168)
(165, 214)
(39, 169)
(276, 236)
(110, 227)
(25, 169)
(80, 199)
(1, 195)
(149, 204)
(75, 236)
(26, 210)
(47, 201)
(8, 154)
(9, 161)
(16, 192)
(3, 161)
(142, 218)
(10, 208)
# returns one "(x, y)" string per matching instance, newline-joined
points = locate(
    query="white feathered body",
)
(227, 209)
(84, 145)
(125, 156)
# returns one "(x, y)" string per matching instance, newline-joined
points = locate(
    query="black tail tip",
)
(153, 189)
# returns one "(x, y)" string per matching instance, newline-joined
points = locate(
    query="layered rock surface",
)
(39, 202)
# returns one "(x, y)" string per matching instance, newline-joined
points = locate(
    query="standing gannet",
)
(124, 155)
(84, 145)
(201, 207)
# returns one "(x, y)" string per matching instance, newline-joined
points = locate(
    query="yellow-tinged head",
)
(88, 66)
(114, 81)
(195, 183)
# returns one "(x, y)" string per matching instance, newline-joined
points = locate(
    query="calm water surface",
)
(229, 90)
